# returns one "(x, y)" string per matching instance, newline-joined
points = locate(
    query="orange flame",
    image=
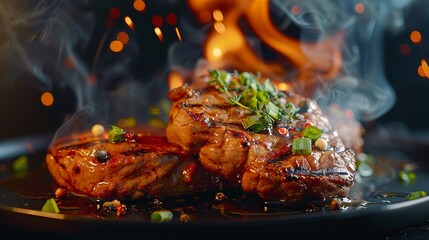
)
(229, 48)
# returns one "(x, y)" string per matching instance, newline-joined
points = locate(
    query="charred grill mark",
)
(128, 152)
(211, 106)
(199, 117)
(203, 116)
(300, 171)
(141, 152)
(281, 158)
(76, 169)
(238, 134)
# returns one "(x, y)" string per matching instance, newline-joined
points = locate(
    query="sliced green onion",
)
(312, 132)
(416, 195)
(407, 177)
(250, 94)
(254, 103)
(301, 146)
(50, 206)
(273, 110)
(253, 123)
(263, 96)
(116, 134)
(160, 216)
(20, 165)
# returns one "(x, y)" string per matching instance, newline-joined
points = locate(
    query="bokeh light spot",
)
(171, 18)
(179, 36)
(217, 52)
(123, 37)
(295, 10)
(139, 5)
(47, 99)
(129, 22)
(360, 8)
(157, 21)
(404, 49)
(116, 46)
(219, 27)
(115, 12)
(218, 15)
(70, 62)
(416, 37)
(158, 33)
(205, 16)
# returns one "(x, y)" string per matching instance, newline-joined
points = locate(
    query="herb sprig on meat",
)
(266, 104)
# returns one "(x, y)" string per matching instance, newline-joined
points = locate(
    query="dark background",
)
(22, 114)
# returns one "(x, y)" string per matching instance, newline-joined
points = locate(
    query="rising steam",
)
(36, 37)
(47, 39)
(359, 85)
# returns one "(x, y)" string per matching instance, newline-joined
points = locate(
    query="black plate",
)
(377, 203)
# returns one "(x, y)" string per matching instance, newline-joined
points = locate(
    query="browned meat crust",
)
(204, 148)
(148, 165)
(202, 121)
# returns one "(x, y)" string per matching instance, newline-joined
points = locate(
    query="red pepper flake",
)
(188, 172)
(307, 125)
(283, 131)
(121, 209)
(129, 136)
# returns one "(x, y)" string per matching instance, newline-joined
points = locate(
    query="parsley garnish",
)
(116, 134)
(265, 104)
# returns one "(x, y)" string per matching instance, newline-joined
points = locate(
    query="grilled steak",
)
(203, 121)
(145, 165)
(206, 146)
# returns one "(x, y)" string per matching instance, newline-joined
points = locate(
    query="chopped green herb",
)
(301, 146)
(253, 123)
(261, 100)
(20, 165)
(50, 206)
(161, 216)
(416, 195)
(116, 134)
(312, 132)
(407, 176)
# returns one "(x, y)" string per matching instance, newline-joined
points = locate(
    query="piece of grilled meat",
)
(142, 166)
(203, 122)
